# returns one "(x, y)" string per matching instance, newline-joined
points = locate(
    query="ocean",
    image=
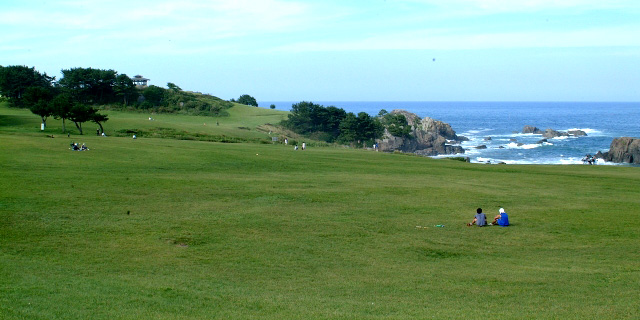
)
(498, 126)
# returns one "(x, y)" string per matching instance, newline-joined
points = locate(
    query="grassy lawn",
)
(173, 229)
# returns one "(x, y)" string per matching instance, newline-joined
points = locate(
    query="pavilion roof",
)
(139, 78)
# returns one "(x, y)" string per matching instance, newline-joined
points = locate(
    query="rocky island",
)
(550, 133)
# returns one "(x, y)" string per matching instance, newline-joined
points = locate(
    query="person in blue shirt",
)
(502, 219)
(480, 219)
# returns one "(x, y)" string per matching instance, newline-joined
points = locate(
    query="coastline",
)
(504, 121)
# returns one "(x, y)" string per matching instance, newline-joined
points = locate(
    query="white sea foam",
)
(472, 151)
(586, 130)
(526, 134)
(514, 145)
(474, 132)
(590, 132)
(570, 161)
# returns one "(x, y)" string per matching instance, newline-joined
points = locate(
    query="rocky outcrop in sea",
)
(428, 137)
(550, 133)
(622, 150)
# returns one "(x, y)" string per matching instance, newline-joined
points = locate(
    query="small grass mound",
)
(172, 133)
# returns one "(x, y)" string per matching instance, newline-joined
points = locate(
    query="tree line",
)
(80, 91)
(26, 87)
(332, 124)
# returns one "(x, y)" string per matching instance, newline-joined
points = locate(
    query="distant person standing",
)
(304, 145)
(286, 141)
(502, 219)
(480, 219)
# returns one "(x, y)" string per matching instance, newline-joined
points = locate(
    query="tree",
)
(300, 118)
(88, 85)
(349, 129)
(370, 128)
(39, 100)
(124, 88)
(14, 81)
(272, 106)
(362, 128)
(248, 100)
(331, 121)
(62, 105)
(397, 124)
(153, 95)
(99, 119)
(173, 87)
(81, 113)
(308, 117)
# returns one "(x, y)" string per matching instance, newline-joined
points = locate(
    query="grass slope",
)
(172, 229)
(243, 123)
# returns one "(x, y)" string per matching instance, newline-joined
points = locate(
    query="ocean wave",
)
(475, 131)
(520, 134)
(514, 145)
(472, 151)
(541, 161)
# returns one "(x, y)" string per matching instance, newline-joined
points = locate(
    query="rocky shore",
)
(622, 150)
(428, 137)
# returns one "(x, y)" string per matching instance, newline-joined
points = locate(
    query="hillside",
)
(243, 123)
(176, 229)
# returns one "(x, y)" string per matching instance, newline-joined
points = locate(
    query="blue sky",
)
(376, 50)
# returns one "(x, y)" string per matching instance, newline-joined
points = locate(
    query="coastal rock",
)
(542, 141)
(438, 127)
(513, 140)
(481, 147)
(412, 118)
(531, 129)
(487, 139)
(622, 150)
(577, 133)
(550, 133)
(428, 137)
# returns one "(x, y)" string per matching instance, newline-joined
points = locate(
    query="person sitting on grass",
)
(502, 219)
(480, 219)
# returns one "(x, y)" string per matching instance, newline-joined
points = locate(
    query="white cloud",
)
(516, 6)
(193, 26)
(151, 26)
(443, 39)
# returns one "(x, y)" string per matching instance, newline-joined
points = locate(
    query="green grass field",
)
(177, 229)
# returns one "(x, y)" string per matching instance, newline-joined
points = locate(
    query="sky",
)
(373, 50)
